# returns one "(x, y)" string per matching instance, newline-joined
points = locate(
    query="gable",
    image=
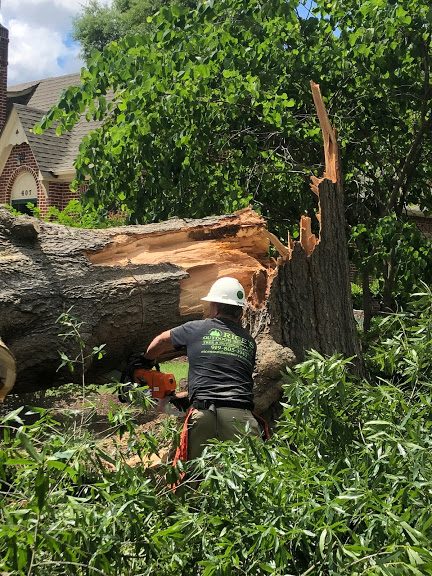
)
(27, 104)
(42, 94)
(13, 135)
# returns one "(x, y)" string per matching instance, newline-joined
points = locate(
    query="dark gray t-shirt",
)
(221, 359)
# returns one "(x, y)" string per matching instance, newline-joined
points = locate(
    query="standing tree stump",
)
(309, 302)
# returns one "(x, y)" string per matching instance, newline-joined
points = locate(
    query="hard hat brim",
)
(222, 301)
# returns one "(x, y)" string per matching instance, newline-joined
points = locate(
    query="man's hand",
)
(180, 400)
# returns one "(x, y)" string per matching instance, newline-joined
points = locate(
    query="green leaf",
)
(41, 487)
(322, 541)
(28, 446)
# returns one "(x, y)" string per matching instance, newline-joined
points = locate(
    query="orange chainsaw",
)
(161, 386)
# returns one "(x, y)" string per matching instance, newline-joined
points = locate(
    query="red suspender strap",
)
(264, 426)
(182, 449)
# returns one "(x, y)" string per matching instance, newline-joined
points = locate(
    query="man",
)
(221, 360)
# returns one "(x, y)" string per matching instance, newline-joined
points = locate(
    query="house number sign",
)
(24, 187)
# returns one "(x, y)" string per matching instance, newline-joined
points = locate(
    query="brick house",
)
(35, 168)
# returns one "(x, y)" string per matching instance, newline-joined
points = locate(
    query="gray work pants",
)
(220, 423)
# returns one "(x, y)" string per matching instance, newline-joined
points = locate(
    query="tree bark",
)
(127, 284)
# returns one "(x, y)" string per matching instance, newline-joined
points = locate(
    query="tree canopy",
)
(211, 109)
(98, 24)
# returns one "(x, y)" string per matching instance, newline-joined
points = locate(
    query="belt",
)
(207, 404)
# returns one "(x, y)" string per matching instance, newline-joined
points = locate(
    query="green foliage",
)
(356, 296)
(395, 252)
(357, 293)
(59, 512)
(400, 345)
(76, 214)
(216, 99)
(99, 23)
(343, 488)
(11, 209)
(80, 215)
(209, 109)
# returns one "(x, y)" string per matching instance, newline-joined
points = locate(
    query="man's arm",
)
(159, 345)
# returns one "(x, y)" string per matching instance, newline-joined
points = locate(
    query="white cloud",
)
(40, 43)
(38, 52)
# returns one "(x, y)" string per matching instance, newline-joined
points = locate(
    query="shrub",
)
(344, 487)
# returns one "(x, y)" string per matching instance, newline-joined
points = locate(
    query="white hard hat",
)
(226, 290)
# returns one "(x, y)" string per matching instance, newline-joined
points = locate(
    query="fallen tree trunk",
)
(127, 284)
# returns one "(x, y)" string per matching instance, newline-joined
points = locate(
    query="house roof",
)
(48, 148)
(43, 94)
(31, 101)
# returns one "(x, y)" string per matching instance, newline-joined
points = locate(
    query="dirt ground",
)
(68, 407)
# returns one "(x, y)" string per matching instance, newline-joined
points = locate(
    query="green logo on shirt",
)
(215, 333)
(227, 343)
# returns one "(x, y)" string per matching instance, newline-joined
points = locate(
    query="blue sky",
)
(40, 43)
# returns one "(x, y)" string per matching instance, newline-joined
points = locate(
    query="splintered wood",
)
(236, 245)
(308, 240)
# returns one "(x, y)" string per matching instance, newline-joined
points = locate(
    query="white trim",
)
(43, 186)
(65, 175)
(13, 135)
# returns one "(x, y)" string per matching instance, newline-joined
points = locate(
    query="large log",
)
(127, 284)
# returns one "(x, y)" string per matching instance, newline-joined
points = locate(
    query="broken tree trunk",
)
(309, 304)
(127, 284)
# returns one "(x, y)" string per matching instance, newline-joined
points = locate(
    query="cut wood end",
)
(7, 371)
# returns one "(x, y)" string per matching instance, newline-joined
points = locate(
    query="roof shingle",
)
(45, 92)
(31, 101)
